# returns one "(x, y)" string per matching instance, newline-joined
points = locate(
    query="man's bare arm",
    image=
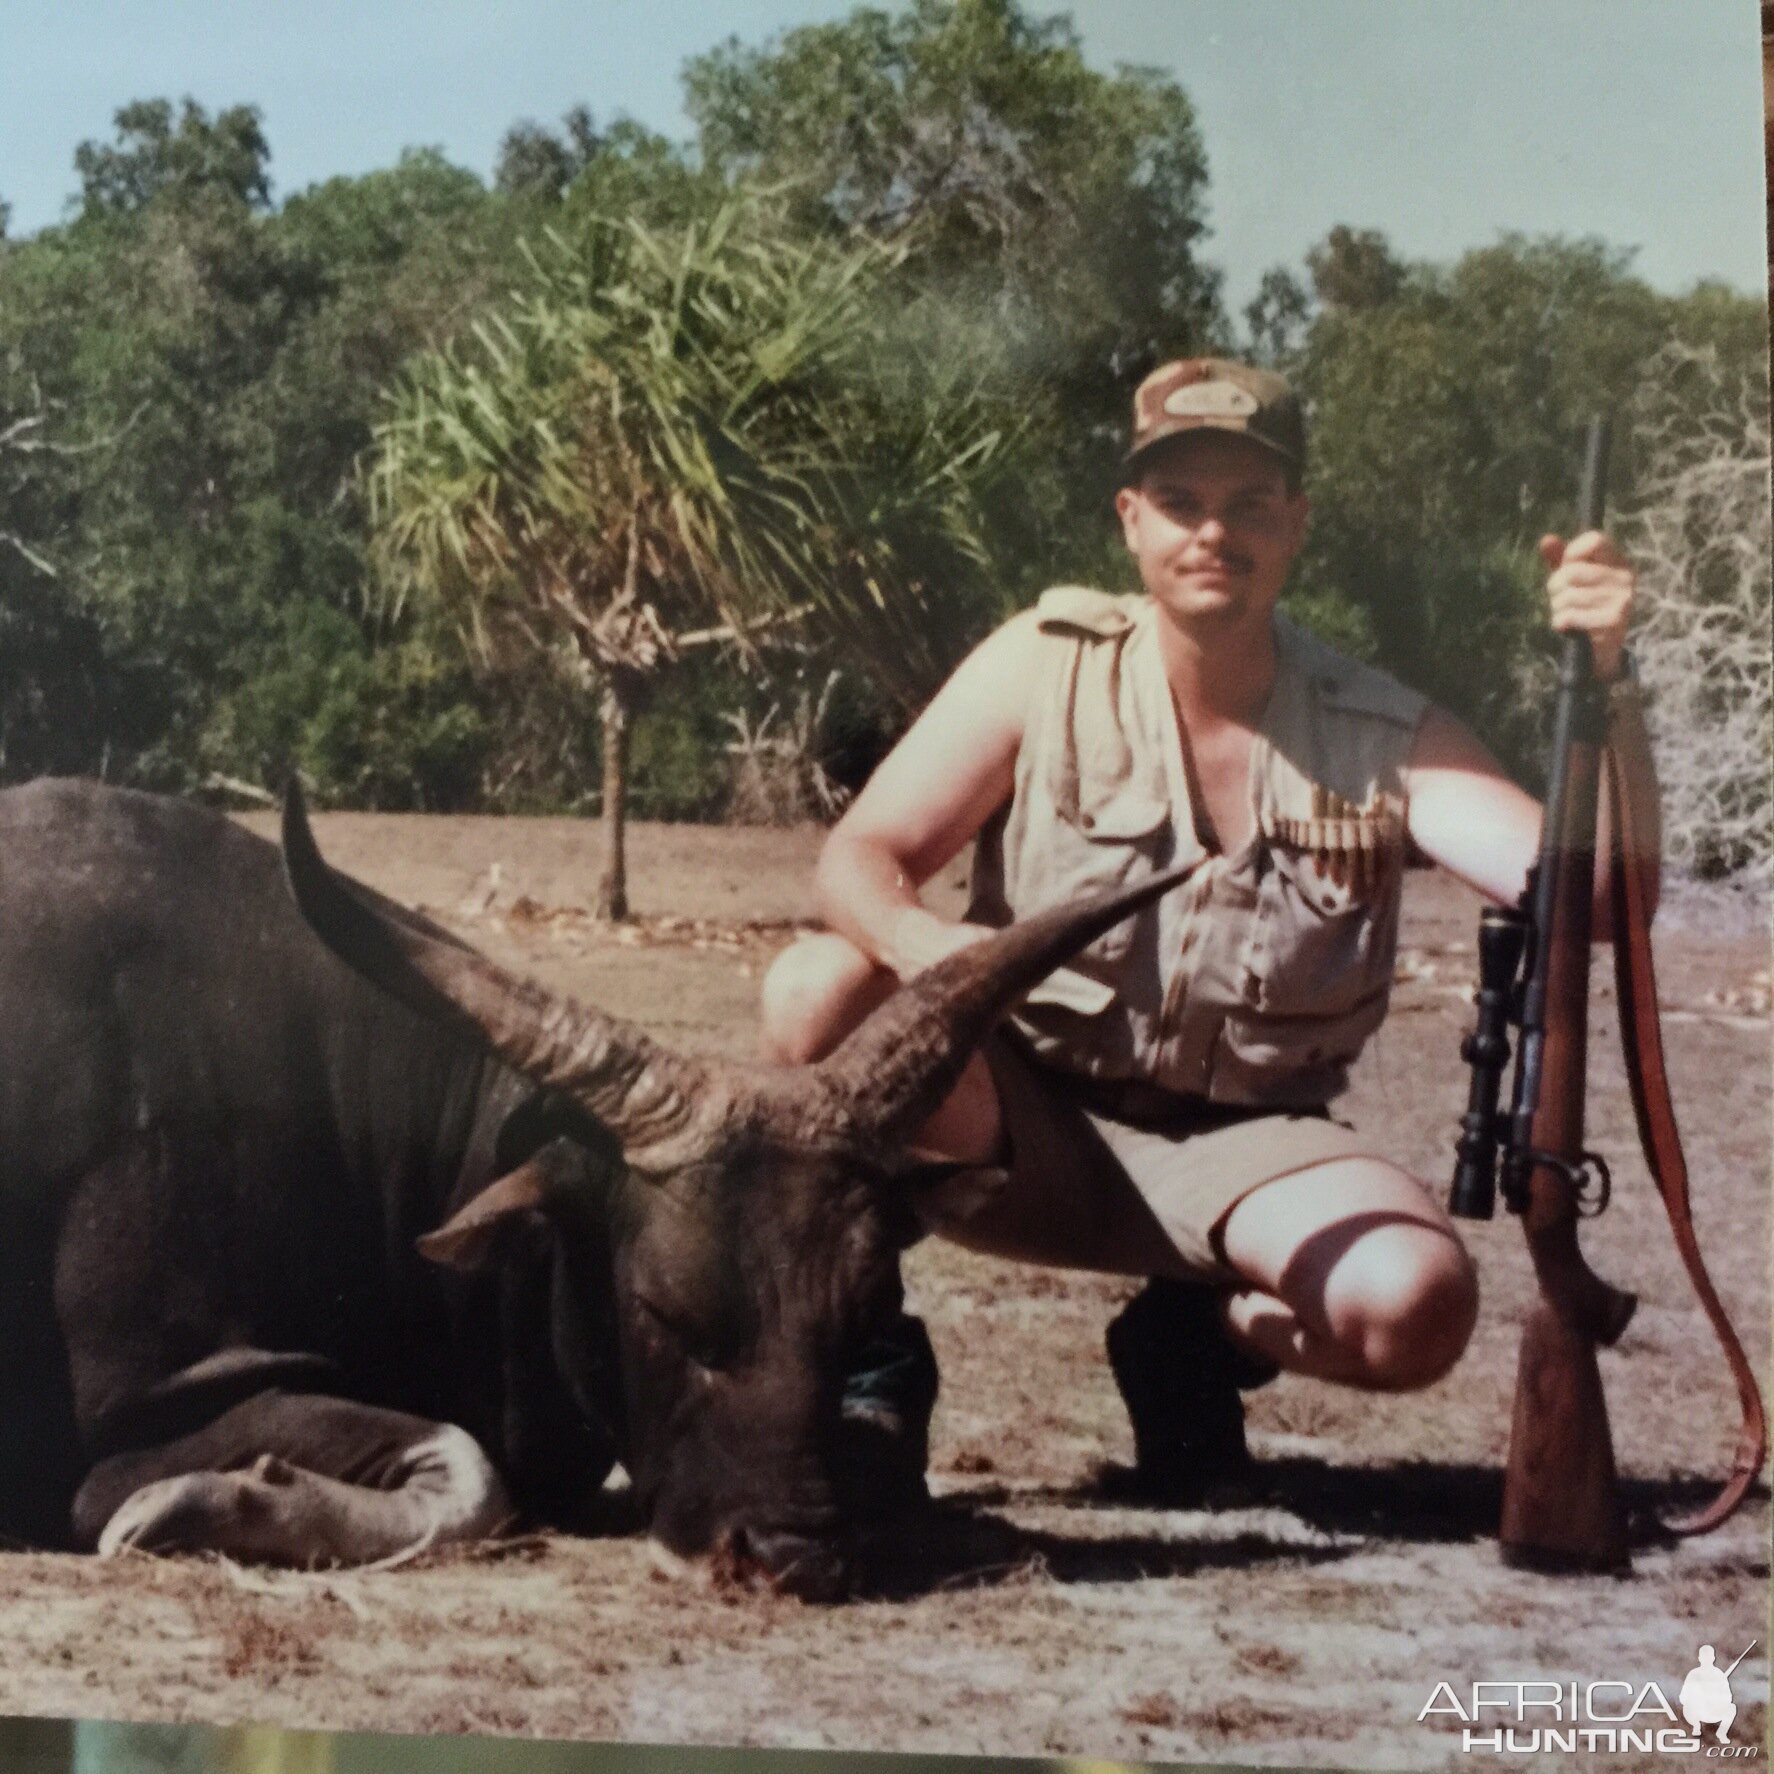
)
(1468, 817)
(930, 795)
(1465, 815)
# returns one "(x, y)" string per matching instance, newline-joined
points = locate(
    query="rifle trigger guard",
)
(1592, 1183)
(1593, 1201)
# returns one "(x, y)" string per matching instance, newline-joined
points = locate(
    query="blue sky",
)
(1441, 122)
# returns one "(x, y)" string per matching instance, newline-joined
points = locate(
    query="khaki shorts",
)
(1143, 1191)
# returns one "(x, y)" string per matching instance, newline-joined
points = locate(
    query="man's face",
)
(1213, 527)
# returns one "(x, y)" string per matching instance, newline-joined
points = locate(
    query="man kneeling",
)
(1162, 1108)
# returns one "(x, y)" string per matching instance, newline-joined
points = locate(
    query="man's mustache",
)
(1224, 561)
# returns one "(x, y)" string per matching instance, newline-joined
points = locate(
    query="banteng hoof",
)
(200, 1511)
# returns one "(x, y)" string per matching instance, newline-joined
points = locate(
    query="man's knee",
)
(1406, 1305)
(815, 992)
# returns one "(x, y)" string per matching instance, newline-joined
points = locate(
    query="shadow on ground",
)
(962, 1546)
(965, 1543)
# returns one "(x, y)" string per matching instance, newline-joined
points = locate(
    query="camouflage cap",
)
(1217, 394)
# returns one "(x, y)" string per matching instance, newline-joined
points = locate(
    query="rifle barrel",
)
(1592, 490)
(1743, 1653)
(1577, 720)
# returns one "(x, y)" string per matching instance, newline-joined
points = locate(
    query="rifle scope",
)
(1502, 939)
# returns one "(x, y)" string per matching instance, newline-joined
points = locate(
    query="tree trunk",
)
(616, 711)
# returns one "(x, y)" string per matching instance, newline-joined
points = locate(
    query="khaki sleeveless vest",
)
(1259, 980)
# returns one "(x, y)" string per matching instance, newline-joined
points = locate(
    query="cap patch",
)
(1210, 400)
(1218, 394)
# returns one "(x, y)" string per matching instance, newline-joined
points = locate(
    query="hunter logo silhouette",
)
(1706, 1694)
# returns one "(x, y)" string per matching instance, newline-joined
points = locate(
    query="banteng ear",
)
(470, 1239)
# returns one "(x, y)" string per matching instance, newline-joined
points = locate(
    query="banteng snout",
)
(750, 1235)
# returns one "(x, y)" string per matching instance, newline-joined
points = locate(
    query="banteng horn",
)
(660, 1106)
(895, 1069)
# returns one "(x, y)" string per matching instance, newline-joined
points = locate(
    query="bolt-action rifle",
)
(1561, 1498)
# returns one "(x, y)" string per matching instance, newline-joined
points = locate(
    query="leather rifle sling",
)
(1641, 1037)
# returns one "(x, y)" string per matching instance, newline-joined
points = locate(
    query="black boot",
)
(1181, 1379)
(884, 1424)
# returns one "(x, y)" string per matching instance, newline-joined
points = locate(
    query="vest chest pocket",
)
(1325, 947)
(1320, 974)
(1114, 840)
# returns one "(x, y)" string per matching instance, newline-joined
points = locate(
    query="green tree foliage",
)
(640, 173)
(552, 178)
(539, 163)
(985, 131)
(1448, 406)
(399, 726)
(670, 431)
(218, 557)
(157, 309)
(1276, 318)
(1055, 208)
(52, 666)
(155, 154)
(1353, 269)
(399, 260)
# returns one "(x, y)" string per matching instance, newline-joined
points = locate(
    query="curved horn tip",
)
(302, 861)
(294, 827)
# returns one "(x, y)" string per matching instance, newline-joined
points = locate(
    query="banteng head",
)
(749, 1236)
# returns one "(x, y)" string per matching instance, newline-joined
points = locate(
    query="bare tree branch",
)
(30, 554)
(1699, 534)
(17, 436)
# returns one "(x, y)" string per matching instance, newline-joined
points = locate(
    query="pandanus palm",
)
(677, 435)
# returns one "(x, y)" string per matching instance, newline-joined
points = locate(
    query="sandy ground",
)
(1030, 1620)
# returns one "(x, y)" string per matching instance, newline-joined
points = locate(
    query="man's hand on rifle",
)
(1463, 811)
(1591, 587)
